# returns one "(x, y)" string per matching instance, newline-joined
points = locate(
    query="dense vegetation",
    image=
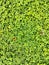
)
(24, 32)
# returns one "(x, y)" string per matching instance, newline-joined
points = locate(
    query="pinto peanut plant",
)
(24, 32)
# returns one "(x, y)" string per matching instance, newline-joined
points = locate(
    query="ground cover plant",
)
(24, 32)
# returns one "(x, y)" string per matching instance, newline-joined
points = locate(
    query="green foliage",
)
(24, 32)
